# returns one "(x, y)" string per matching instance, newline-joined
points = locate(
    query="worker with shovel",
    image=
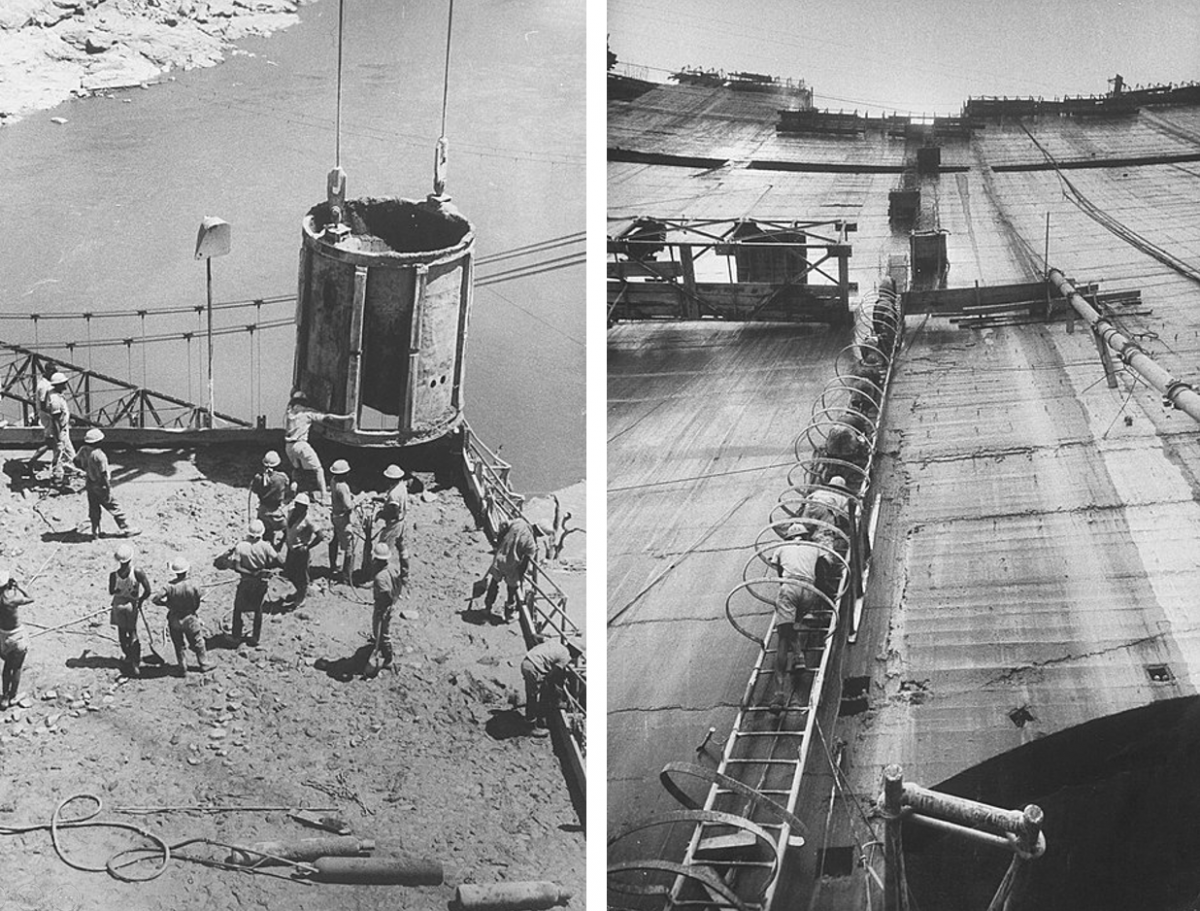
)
(182, 599)
(129, 587)
(14, 640)
(387, 586)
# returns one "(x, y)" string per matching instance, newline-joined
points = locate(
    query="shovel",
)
(154, 657)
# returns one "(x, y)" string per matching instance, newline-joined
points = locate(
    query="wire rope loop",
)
(57, 824)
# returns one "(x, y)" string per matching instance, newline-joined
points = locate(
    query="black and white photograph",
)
(293, 520)
(902, 337)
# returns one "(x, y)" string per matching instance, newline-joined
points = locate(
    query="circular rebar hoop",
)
(701, 875)
(715, 817)
(854, 352)
(814, 465)
(763, 545)
(748, 586)
(788, 518)
(825, 422)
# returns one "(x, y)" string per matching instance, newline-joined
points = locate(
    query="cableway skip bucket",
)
(381, 318)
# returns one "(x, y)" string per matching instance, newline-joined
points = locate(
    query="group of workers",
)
(280, 539)
(816, 539)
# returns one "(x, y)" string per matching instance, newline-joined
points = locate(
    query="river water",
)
(102, 213)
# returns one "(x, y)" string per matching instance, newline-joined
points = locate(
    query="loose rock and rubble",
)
(430, 758)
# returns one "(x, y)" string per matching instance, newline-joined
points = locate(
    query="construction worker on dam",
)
(14, 640)
(41, 393)
(387, 584)
(60, 428)
(129, 587)
(803, 571)
(94, 462)
(543, 669)
(301, 537)
(514, 555)
(341, 514)
(271, 486)
(394, 516)
(305, 462)
(252, 559)
(182, 599)
(830, 505)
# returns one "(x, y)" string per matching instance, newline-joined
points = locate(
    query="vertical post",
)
(893, 790)
(1046, 255)
(414, 347)
(354, 368)
(691, 309)
(208, 274)
(843, 258)
(1110, 373)
(856, 565)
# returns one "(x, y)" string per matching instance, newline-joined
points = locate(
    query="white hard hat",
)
(381, 551)
(395, 472)
(178, 566)
(257, 529)
(795, 529)
(301, 500)
(124, 553)
(838, 481)
(58, 379)
(95, 435)
(341, 466)
(271, 459)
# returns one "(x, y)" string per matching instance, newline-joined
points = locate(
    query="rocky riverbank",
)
(53, 50)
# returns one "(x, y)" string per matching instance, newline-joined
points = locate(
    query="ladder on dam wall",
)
(745, 824)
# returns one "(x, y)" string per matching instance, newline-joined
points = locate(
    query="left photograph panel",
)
(292, 382)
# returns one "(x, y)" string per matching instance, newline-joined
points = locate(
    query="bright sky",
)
(918, 55)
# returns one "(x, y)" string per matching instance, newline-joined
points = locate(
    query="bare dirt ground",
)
(430, 760)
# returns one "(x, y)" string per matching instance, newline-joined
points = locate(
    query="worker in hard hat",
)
(41, 393)
(514, 555)
(129, 587)
(301, 537)
(60, 425)
(182, 598)
(394, 515)
(14, 640)
(297, 422)
(387, 584)
(341, 512)
(271, 486)
(543, 669)
(830, 504)
(94, 462)
(802, 569)
(252, 559)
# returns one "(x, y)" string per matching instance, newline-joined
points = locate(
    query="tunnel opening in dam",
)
(1122, 800)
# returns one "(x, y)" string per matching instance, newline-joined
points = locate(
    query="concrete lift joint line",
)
(1175, 391)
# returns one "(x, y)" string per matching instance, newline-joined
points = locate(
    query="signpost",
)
(213, 240)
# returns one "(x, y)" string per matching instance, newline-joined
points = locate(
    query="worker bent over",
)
(514, 554)
(302, 536)
(341, 512)
(798, 627)
(94, 462)
(387, 585)
(271, 487)
(182, 598)
(252, 559)
(14, 640)
(394, 515)
(543, 668)
(305, 462)
(129, 587)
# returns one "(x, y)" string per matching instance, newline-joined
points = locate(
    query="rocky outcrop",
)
(52, 50)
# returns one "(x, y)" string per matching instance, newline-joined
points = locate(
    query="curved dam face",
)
(1121, 798)
(381, 319)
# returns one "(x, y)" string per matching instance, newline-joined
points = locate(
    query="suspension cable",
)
(337, 142)
(446, 79)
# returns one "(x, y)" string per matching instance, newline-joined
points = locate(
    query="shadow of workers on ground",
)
(349, 668)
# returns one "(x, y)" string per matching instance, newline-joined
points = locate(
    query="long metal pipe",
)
(1174, 390)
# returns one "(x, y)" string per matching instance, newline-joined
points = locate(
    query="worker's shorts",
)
(302, 455)
(793, 601)
(123, 615)
(341, 530)
(14, 643)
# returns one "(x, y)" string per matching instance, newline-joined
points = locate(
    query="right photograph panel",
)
(903, 474)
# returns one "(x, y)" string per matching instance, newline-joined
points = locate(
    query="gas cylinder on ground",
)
(528, 896)
(303, 849)
(393, 871)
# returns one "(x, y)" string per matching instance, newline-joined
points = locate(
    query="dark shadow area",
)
(96, 662)
(221, 642)
(506, 724)
(70, 536)
(481, 617)
(1120, 797)
(349, 668)
(570, 827)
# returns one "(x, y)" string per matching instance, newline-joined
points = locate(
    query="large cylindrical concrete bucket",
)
(381, 318)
